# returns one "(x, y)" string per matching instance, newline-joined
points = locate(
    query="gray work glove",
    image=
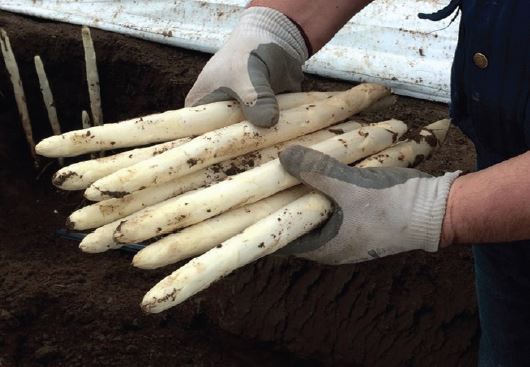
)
(377, 211)
(262, 57)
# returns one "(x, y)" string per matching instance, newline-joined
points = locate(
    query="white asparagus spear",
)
(181, 245)
(103, 237)
(92, 77)
(18, 89)
(219, 171)
(106, 211)
(47, 96)
(231, 141)
(249, 186)
(262, 238)
(201, 237)
(411, 152)
(204, 235)
(80, 175)
(159, 127)
(154, 128)
(249, 246)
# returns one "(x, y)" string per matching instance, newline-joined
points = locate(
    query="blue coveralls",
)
(490, 102)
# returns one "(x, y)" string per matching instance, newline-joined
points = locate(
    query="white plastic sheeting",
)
(385, 43)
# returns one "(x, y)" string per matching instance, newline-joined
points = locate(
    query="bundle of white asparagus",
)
(213, 187)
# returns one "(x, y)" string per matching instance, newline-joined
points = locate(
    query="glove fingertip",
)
(291, 159)
(264, 113)
(189, 101)
(264, 121)
(297, 158)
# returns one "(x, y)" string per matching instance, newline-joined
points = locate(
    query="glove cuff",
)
(272, 25)
(429, 211)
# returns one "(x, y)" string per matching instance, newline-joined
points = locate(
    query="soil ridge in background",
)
(60, 307)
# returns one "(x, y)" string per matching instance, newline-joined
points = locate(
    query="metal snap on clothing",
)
(480, 60)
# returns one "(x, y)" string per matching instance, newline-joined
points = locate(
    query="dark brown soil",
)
(60, 307)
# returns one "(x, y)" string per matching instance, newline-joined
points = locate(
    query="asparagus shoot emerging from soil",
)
(18, 89)
(92, 77)
(47, 97)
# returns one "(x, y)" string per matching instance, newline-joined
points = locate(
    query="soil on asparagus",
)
(60, 307)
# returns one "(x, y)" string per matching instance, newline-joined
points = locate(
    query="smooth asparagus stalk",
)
(231, 141)
(18, 89)
(411, 152)
(106, 211)
(262, 238)
(249, 186)
(159, 127)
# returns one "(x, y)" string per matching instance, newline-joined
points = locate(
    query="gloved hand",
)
(377, 211)
(262, 57)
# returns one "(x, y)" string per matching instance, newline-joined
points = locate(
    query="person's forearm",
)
(320, 19)
(492, 205)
